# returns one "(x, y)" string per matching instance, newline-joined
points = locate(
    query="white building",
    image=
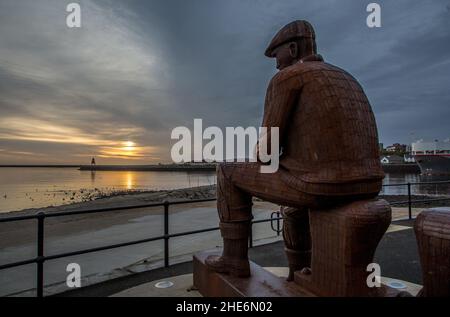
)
(392, 159)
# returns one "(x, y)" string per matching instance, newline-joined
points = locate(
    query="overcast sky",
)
(137, 69)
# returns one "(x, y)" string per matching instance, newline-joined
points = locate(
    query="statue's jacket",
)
(327, 129)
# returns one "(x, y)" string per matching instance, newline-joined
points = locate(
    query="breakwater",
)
(152, 168)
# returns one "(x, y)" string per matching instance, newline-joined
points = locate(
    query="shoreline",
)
(126, 199)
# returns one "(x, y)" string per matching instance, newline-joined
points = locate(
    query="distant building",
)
(392, 159)
(396, 147)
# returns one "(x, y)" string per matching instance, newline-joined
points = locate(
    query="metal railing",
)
(41, 258)
(409, 201)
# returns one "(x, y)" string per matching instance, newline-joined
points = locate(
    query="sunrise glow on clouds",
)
(116, 87)
(71, 88)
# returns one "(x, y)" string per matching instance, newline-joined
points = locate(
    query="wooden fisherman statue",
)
(329, 144)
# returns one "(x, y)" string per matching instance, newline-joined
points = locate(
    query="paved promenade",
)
(396, 254)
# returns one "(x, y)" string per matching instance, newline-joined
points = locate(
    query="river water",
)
(22, 188)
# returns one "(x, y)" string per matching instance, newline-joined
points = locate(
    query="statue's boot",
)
(297, 239)
(234, 259)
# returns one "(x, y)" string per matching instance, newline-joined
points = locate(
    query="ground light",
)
(397, 285)
(164, 284)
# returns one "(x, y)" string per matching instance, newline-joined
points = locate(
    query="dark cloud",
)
(137, 69)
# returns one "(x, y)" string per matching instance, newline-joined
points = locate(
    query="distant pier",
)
(150, 168)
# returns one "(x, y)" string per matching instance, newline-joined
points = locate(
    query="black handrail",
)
(40, 259)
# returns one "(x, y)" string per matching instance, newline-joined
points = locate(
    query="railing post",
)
(409, 201)
(40, 255)
(166, 234)
(250, 235)
(278, 223)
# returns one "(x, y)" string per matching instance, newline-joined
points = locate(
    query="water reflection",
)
(92, 177)
(419, 189)
(434, 189)
(196, 179)
(129, 180)
(22, 188)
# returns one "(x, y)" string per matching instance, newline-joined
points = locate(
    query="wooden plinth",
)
(432, 228)
(261, 283)
(344, 240)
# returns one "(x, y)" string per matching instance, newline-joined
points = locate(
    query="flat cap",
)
(292, 31)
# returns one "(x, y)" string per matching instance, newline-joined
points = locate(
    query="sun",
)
(129, 146)
(124, 149)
